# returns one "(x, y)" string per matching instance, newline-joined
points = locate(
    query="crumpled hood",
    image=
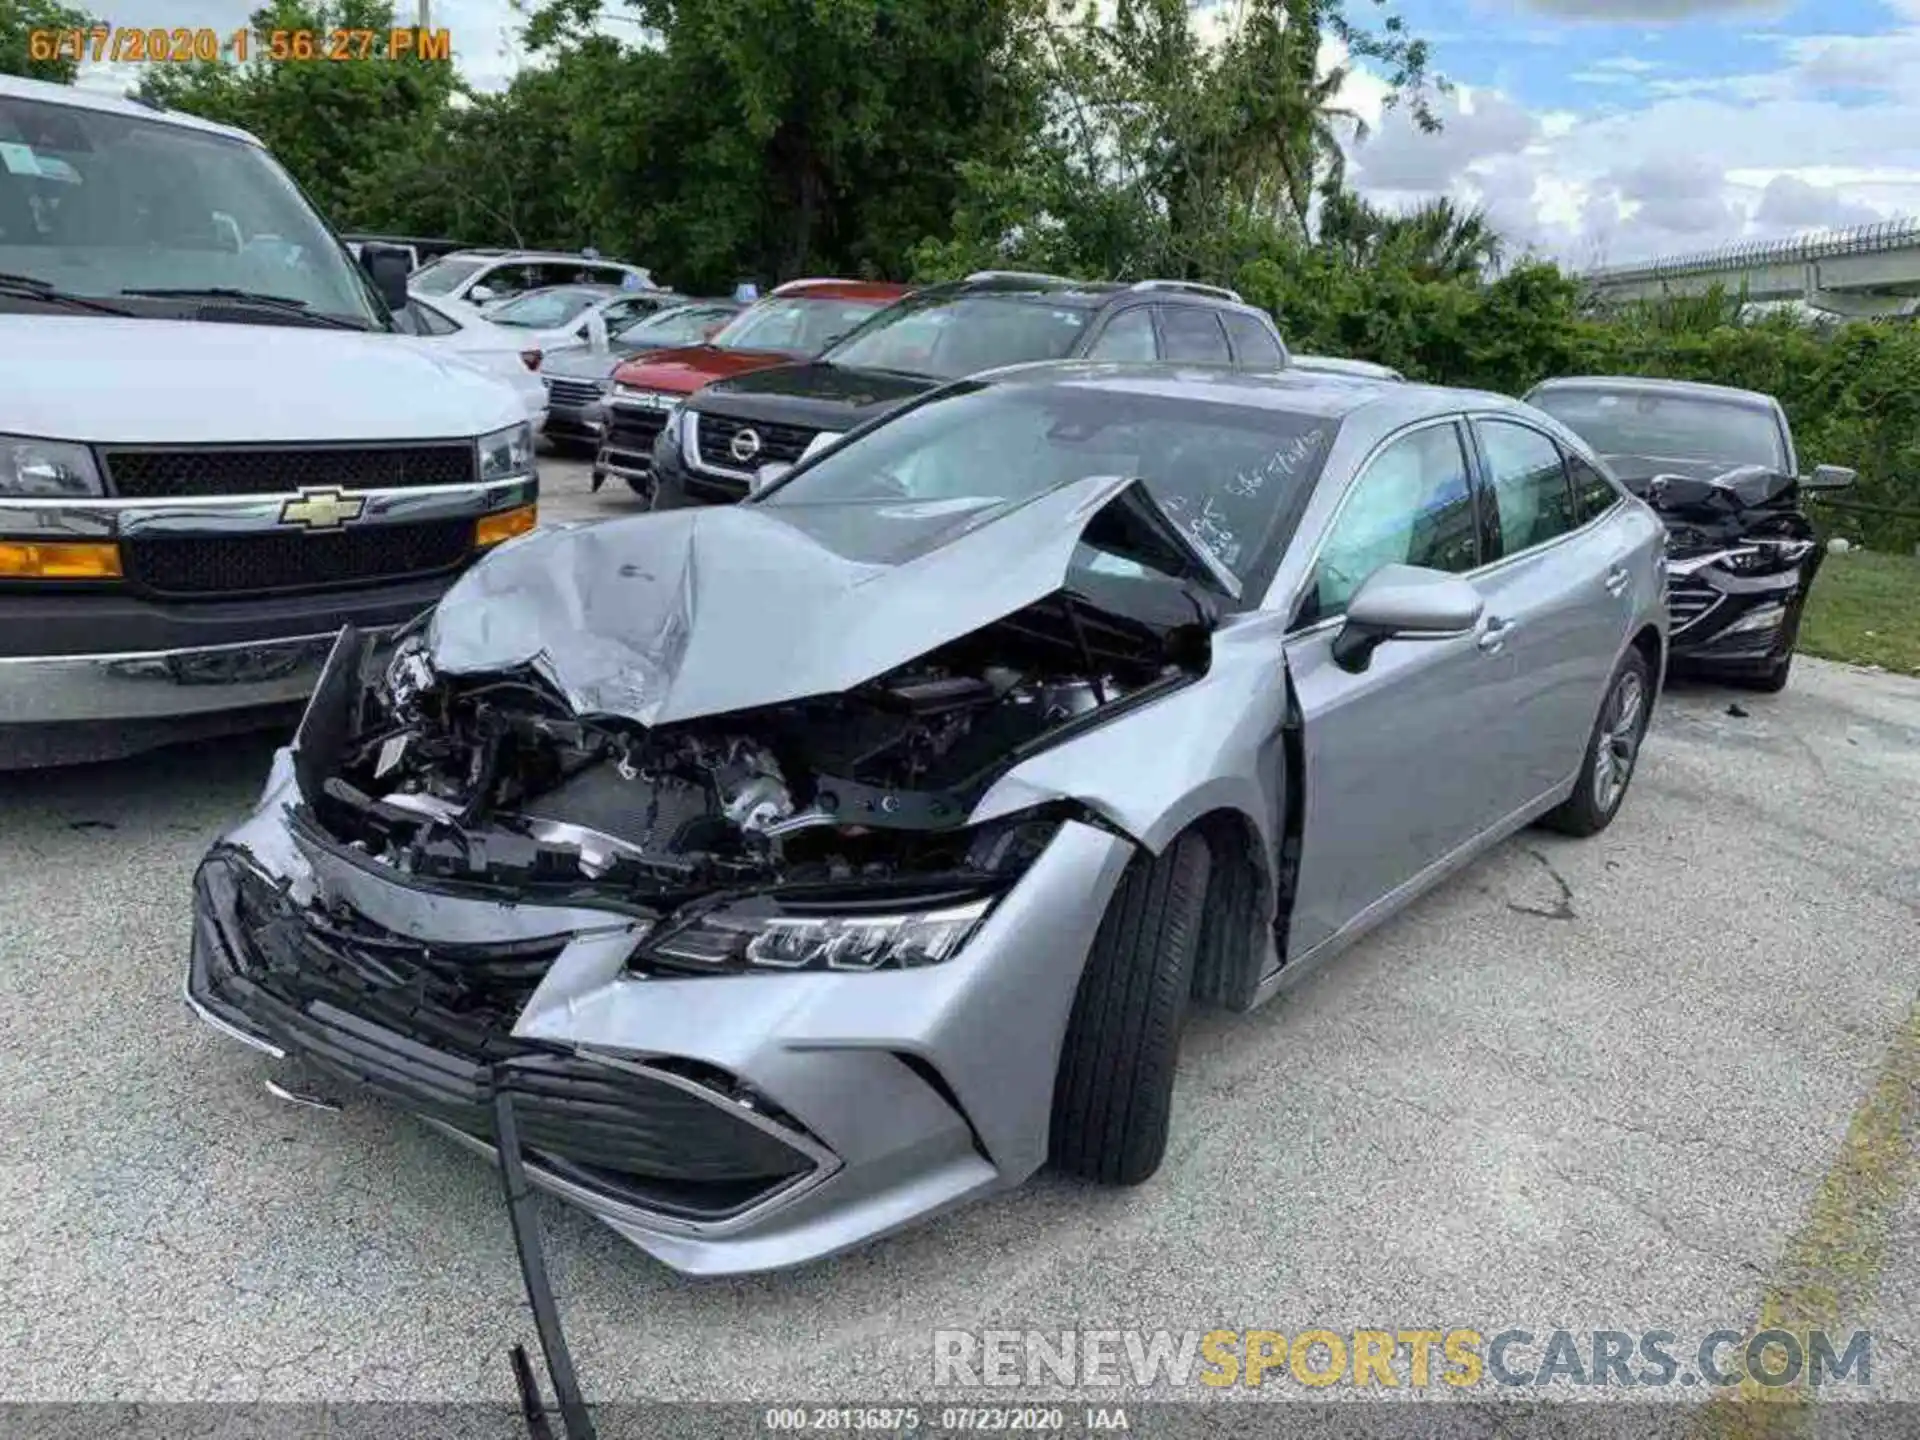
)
(684, 613)
(108, 380)
(1703, 489)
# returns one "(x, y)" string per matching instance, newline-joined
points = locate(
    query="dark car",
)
(1719, 466)
(716, 447)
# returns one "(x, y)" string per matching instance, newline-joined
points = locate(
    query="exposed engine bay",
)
(1749, 517)
(492, 780)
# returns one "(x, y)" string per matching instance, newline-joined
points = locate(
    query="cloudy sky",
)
(1598, 131)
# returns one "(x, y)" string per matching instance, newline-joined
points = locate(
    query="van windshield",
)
(101, 204)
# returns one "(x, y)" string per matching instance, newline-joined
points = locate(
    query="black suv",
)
(718, 443)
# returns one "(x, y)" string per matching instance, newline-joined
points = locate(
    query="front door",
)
(1404, 761)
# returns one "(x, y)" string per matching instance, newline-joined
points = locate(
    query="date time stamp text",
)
(125, 44)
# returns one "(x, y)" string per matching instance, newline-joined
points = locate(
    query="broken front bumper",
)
(723, 1123)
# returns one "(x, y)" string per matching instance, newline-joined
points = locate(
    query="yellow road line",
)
(1826, 1277)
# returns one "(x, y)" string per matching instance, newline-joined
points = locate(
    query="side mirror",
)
(767, 474)
(1404, 602)
(386, 266)
(481, 294)
(1829, 477)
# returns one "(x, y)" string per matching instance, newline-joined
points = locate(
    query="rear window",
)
(441, 276)
(946, 337)
(1667, 426)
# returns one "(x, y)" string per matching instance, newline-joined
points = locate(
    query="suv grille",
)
(574, 393)
(634, 431)
(168, 474)
(783, 443)
(283, 560)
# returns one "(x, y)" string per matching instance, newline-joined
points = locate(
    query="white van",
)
(215, 449)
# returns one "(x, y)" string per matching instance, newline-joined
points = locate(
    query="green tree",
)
(1437, 240)
(19, 19)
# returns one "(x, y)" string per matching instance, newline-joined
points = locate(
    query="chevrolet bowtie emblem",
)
(322, 509)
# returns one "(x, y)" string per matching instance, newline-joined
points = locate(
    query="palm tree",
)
(1437, 240)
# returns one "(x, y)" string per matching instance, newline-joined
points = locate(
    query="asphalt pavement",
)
(1658, 1079)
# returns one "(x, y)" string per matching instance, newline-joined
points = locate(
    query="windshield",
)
(955, 335)
(682, 325)
(794, 324)
(1227, 474)
(441, 276)
(97, 204)
(1667, 427)
(545, 309)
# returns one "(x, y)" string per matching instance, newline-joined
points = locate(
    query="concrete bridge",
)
(1866, 271)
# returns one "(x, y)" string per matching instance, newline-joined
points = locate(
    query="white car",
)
(472, 278)
(563, 316)
(468, 338)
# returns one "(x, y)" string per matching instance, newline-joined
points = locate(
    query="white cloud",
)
(1613, 12)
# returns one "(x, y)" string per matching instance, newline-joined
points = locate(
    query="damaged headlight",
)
(1761, 557)
(760, 933)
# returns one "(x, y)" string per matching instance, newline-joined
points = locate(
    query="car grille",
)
(634, 431)
(1688, 602)
(272, 560)
(171, 474)
(430, 1028)
(778, 443)
(575, 394)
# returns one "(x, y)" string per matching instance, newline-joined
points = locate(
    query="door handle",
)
(1494, 638)
(1618, 578)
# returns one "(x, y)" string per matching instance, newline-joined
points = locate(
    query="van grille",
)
(274, 560)
(174, 474)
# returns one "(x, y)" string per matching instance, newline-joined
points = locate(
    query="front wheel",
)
(1113, 1094)
(1613, 748)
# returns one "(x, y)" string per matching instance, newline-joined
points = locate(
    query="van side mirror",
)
(1829, 477)
(480, 294)
(387, 267)
(1404, 602)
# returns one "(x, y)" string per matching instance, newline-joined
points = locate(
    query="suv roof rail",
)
(1219, 292)
(1022, 275)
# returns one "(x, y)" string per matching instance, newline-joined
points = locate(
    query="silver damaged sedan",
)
(803, 868)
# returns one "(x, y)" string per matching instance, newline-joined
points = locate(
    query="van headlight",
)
(54, 469)
(506, 453)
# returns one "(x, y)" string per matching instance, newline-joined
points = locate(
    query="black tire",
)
(1772, 680)
(1113, 1094)
(1588, 810)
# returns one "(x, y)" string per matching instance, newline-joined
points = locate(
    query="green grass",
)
(1865, 608)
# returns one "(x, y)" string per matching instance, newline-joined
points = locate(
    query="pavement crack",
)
(1560, 909)
(1661, 1220)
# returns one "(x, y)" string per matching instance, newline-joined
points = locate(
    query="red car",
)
(795, 322)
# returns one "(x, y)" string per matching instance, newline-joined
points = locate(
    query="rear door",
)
(1557, 583)
(1403, 762)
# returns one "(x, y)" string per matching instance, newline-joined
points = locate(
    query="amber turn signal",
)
(492, 529)
(58, 560)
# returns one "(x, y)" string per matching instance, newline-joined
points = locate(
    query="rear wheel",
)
(1613, 748)
(1113, 1094)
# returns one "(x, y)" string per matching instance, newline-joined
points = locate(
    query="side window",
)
(505, 280)
(1531, 497)
(1413, 506)
(429, 322)
(1254, 347)
(1593, 493)
(540, 276)
(1128, 336)
(1190, 332)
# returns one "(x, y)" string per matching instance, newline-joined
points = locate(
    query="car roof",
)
(1342, 365)
(829, 288)
(76, 98)
(1654, 385)
(519, 255)
(1300, 392)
